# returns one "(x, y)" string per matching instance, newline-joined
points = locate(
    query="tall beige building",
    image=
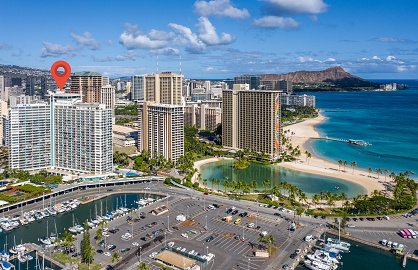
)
(88, 85)
(107, 96)
(251, 120)
(164, 88)
(162, 130)
(202, 116)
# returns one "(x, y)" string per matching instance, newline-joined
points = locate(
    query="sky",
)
(373, 39)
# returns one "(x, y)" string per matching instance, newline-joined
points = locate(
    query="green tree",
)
(340, 162)
(345, 164)
(353, 164)
(266, 183)
(115, 257)
(143, 266)
(370, 170)
(87, 251)
(67, 240)
(99, 235)
(379, 172)
(268, 240)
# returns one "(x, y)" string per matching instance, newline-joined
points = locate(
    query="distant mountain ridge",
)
(329, 74)
(335, 77)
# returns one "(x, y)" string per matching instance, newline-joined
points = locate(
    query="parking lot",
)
(232, 244)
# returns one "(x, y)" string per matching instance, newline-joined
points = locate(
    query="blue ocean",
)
(388, 120)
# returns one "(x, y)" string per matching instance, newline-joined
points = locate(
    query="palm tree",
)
(343, 197)
(115, 257)
(205, 182)
(99, 235)
(268, 240)
(308, 156)
(370, 170)
(353, 164)
(345, 164)
(302, 196)
(227, 184)
(212, 181)
(386, 172)
(143, 266)
(254, 184)
(378, 171)
(315, 199)
(340, 162)
(299, 212)
(265, 184)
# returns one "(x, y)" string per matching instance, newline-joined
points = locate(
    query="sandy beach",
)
(304, 131)
(200, 163)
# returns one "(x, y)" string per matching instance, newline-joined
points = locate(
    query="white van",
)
(308, 238)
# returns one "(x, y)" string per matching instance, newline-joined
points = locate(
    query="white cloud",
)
(393, 40)
(130, 55)
(376, 58)
(304, 59)
(223, 8)
(390, 58)
(295, 6)
(167, 51)
(276, 22)
(160, 35)
(193, 43)
(330, 59)
(86, 40)
(404, 68)
(207, 33)
(132, 38)
(179, 36)
(55, 50)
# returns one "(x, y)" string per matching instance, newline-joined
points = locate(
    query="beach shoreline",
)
(304, 131)
(301, 133)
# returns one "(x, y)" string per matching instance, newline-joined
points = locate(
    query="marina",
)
(49, 223)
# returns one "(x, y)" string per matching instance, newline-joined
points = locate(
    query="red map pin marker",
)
(60, 78)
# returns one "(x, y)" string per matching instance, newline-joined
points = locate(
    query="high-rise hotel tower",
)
(251, 120)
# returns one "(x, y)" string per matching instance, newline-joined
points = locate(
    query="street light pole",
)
(243, 236)
(256, 217)
(140, 253)
(206, 218)
(249, 263)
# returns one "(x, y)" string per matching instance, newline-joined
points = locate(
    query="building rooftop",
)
(123, 129)
(175, 259)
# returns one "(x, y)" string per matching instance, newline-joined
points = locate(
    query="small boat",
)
(6, 265)
(315, 265)
(5, 255)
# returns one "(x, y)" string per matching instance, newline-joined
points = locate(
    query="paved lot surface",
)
(230, 253)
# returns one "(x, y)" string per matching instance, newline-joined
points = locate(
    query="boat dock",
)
(32, 247)
(406, 256)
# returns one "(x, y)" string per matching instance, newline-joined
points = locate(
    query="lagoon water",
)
(387, 120)
(309, 183)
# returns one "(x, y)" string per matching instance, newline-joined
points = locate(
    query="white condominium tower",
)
(82, 137)
(251, 120)
(29, 131)
(65, 134)
(161, 130)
